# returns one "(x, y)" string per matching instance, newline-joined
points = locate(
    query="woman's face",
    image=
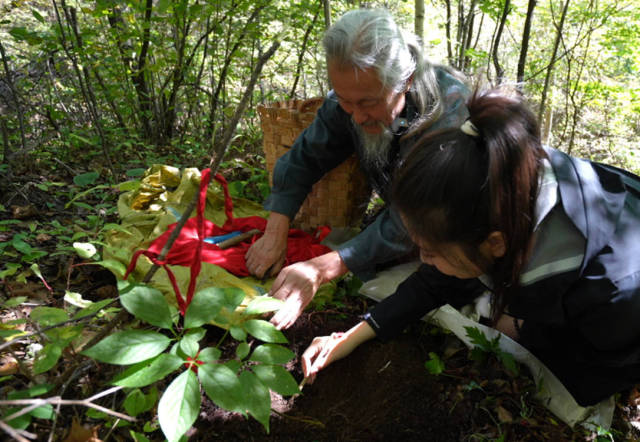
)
(449, 259)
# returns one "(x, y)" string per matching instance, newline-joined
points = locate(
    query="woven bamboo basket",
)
(340, 198)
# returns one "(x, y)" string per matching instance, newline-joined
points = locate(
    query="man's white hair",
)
(370, 38)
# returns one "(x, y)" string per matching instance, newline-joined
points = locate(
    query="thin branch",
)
(16, 434)
(68, 321)
(57, 400)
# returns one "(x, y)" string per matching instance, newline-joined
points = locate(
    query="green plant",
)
(484, 347)
(434, 365)
(170, 343)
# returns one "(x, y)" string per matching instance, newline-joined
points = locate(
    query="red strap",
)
(228, 203)
(196, 264)
(182, 306)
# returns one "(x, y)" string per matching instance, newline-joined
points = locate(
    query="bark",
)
(138, 75)
(448, 33)
(524, 47)
(221, 148)
(305, 41)
(578, 105)
(84, 77)
(18, 105)
(556, 44)
(327, 13)
(419, 20)
(223, 73)
(466, 44)
(496, 44)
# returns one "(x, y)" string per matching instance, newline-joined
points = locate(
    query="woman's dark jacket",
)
(584, 324)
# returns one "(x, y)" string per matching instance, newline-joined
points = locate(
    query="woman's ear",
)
(496, 243)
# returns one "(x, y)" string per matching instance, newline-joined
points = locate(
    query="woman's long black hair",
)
(457, 187)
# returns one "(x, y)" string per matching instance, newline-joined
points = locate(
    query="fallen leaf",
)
(24, 212)
(8, 365)
(80, 433)
(43, 237)
(504, 415)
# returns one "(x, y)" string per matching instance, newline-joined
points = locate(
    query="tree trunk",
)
(419, 20)
(556, 44)
(138, 76)
(327, 13)
(468, 34)
(16, 100)
(524, 47)
(448, 33)
(305, 41)
(496, 43)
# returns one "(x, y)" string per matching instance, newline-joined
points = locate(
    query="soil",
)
(381, 392)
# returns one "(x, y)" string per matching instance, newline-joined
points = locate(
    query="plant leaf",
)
(179, 406)
(47, 358)
(257, 398)
(85, 249)
(238, 333)
(46, 316)
(276, 378)
(135, 403)
(434, 365)
(262, 304)
(204, 307)
(93, 308)
(209, 354)
(128, 347)
(263, 330)
(115, 267)
(148, 304)
(85, 178)
(76, 299)
(189, 342)
(222, 386)
(147, 372)
(272, 354)
(242, 350)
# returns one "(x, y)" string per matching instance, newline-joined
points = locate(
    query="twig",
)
(57, 400)
(16, 434)
(65, 384)
(60, 324)
(74, 172)
(305, 420)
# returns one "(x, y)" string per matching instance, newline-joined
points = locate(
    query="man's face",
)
(361, 95)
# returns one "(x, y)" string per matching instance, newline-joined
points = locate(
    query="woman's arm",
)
(326, 349)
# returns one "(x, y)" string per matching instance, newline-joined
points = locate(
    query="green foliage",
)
(484, 347)
(58, 333)
(434, 365)
(241, 384)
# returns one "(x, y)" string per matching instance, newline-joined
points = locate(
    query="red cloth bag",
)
(190, 249)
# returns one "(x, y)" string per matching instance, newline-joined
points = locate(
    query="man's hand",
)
(297, 284)
(268, 253)
(326, 349)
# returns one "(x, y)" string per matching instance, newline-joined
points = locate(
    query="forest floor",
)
(382, 392)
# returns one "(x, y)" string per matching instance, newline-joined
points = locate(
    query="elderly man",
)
(384, 92)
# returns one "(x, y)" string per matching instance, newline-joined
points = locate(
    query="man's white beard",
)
(375, 152)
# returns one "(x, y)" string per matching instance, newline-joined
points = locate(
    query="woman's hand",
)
(266, 256)
(326, 349)
(297, 284)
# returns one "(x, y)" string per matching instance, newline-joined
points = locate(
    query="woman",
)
(556, 239)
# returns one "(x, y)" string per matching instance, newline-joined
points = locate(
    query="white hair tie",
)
(469, 128)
